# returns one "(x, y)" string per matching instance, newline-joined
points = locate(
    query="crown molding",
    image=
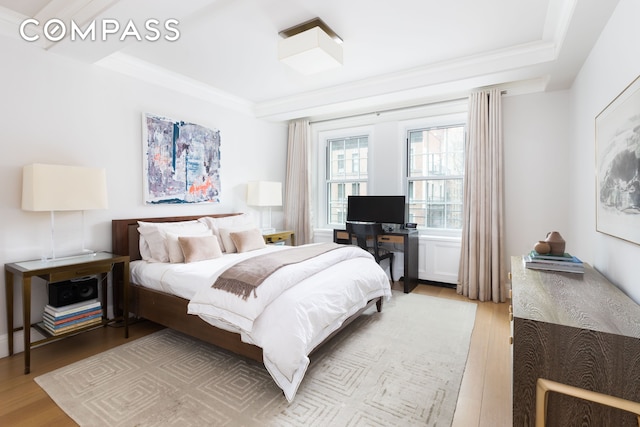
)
(81, 11)
(559, 15)
(10, 23)
(142, 70)
(457, 76)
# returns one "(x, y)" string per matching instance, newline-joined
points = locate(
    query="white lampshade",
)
(63, 188)
(310, 51)
(264, 193)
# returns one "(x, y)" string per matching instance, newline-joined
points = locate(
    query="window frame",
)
(431, 122)
(323, 139)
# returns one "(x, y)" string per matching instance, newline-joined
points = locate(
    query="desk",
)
(58, 270)
(408, 238)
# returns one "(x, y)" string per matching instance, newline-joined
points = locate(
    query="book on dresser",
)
(564, 263)
(59, 320)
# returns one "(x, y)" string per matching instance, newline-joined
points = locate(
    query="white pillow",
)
(153, 239)
(143, 246)
(154, 234)
(227, 222)
(173, 246)
(227, 241)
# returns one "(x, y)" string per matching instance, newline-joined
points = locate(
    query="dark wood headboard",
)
(125, 236)
(125, 241)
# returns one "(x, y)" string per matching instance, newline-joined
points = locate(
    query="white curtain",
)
(297, 203)
(482, 264)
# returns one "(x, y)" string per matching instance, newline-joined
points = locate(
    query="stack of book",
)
(68, 318)
(566, 262)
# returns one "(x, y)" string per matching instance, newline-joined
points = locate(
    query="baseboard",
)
(18, 342)
(4, 345)
(441, 284)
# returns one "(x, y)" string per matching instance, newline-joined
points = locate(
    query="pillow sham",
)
(154, 234)
(248, 240)
(243, 221)
(143, 247)
(226, 221)
(199, 248)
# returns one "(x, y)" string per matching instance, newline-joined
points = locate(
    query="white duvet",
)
(296, 308)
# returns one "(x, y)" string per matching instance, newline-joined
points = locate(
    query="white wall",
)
(537, 162)
(56, 110)
(612, 65)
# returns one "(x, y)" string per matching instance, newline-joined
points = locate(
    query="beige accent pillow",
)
(225, 237)
(199, 248)
(173, 246)
(248, 240)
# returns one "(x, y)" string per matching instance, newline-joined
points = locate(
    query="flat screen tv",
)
(382, 209)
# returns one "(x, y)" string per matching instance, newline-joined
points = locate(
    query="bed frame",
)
(171, 311)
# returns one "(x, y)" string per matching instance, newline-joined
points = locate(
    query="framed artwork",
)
(618, 166)
(181, 161)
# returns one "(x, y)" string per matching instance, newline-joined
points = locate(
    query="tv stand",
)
(408, 238)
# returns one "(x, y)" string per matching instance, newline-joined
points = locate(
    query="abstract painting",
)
(618, 166)
(181, 161)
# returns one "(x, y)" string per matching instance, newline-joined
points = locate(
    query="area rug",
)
(400, 367)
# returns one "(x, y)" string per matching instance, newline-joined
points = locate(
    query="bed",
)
(314, 298)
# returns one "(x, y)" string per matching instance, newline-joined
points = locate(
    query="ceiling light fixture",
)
(310, 47)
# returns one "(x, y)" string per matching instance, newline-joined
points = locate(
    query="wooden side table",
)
(280, 236)
(57, 270)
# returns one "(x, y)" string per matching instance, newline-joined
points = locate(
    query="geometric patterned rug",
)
(400, 367)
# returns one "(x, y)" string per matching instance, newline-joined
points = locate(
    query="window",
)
(435, 173)
(346, 174)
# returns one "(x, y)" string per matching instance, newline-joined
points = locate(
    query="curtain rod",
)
(393, 110)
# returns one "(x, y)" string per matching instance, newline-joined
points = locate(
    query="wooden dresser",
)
(578, 330)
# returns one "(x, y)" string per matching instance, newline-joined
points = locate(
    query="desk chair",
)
(370, 230)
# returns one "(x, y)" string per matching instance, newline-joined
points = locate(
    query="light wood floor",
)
(484, 400)
(485, 393)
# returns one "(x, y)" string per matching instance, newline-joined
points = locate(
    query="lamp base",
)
(86, 253)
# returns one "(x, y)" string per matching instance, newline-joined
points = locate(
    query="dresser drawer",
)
(277, 238)
(342, 235)
(391, 239)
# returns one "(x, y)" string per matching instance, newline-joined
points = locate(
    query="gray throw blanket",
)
(245, 276)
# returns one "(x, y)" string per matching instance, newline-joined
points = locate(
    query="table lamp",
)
(264, 194)
(63, 188)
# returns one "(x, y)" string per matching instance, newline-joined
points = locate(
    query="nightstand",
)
(280, 236)
(57, 270)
